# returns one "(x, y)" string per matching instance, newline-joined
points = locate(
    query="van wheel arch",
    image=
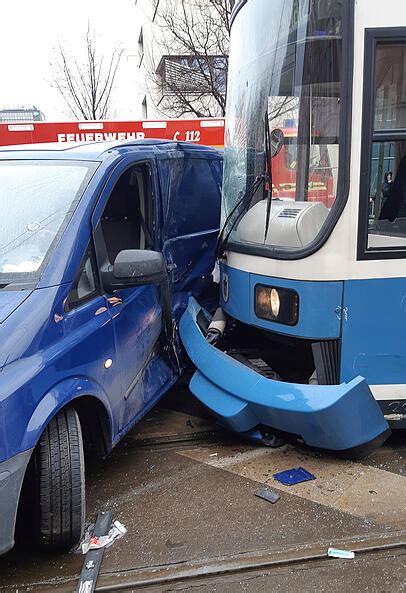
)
(96, 427)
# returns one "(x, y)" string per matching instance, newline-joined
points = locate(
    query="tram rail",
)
(210, 570)
(223, 569)
(207, 436)
(171, 574)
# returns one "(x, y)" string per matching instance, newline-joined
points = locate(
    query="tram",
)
(310, 339)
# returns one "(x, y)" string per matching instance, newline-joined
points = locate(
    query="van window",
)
(38, 199)
(193, 196)
(85, 287)
(127, 217)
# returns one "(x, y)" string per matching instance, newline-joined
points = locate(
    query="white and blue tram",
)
(313, 290)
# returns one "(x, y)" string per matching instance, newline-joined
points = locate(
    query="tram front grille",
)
(252, 358)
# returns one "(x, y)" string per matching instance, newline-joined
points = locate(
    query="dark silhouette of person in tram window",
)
(394, 205)
(386, 190)
(387, 185)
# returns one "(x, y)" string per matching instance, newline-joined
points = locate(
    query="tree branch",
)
(195, 35)
(86, 85)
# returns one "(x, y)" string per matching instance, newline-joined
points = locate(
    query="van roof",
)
(95, 151)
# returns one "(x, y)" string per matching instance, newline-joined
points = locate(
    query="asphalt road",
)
(185, 490)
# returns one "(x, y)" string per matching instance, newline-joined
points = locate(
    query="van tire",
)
(60, 477)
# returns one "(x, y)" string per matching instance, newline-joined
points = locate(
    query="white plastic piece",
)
(219, 322)
(216, 273)
(345, 554)
(86, 587)
(104, 541)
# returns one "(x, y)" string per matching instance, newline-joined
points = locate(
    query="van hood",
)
(10, 300)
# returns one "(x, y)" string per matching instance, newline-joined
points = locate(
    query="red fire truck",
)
(203, 131)
(208, 131)
(321, 170)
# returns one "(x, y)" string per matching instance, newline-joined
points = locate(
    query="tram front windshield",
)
(285, 71)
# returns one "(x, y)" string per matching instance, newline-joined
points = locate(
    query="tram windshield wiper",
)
(268, 173)
(245, 201)
(235, 215)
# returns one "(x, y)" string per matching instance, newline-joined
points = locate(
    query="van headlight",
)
(276, 304)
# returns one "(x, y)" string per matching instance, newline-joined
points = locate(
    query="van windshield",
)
(37, 200)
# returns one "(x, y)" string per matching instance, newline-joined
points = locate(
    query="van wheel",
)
(60, 478)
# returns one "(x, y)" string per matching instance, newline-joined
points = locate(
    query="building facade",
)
(173, 80)
(17, 114)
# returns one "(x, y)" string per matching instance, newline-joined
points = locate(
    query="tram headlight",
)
(276, 304)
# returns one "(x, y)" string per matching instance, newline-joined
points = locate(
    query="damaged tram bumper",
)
(343, 418)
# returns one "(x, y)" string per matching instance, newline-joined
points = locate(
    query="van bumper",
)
(12, 473)
(343, 418)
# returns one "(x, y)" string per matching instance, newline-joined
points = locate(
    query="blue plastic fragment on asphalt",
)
(294, 476)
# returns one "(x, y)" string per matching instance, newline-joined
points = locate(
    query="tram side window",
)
(387, 185)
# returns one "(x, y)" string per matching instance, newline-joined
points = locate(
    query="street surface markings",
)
(350, 487)
(162, 422)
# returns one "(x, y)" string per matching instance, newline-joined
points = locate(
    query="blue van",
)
(101, 245)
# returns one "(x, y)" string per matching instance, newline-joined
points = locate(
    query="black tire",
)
(60, 479)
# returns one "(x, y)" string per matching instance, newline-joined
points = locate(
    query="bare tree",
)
(87, 84)
(189, 74)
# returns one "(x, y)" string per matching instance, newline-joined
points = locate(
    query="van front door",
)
(137, 313)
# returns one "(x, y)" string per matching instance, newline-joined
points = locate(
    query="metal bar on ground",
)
(93, 559)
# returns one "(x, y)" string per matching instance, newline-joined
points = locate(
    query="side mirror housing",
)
(134, 267)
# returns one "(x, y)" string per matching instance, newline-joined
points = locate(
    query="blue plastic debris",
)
(294, 476)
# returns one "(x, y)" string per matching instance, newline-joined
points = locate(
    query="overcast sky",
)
(32, 29)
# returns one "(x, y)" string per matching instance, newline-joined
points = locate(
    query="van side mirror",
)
(134, 267)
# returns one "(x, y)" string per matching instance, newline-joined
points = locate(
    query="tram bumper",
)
(343, 418)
